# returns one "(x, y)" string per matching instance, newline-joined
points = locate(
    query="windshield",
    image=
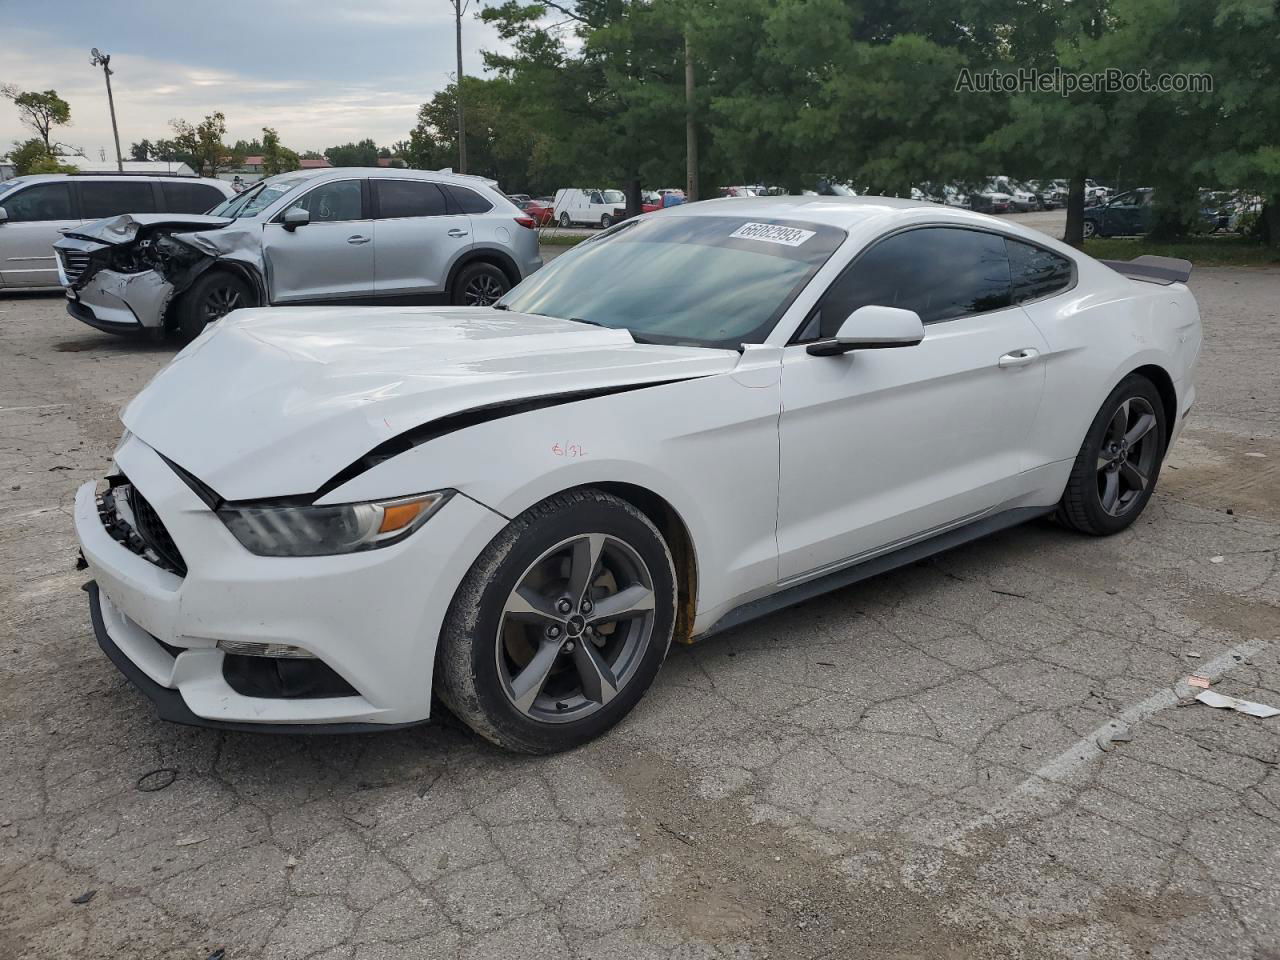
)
(256, 199)
(705, 281)
(613, 196)
(9, 185)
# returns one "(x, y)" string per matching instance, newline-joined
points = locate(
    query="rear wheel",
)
(561, 624)
(1116, 470)
(564, 220)
(215, 294)
(1090, 229)
(479, 285)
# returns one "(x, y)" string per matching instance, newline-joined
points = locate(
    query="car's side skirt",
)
(881, 563)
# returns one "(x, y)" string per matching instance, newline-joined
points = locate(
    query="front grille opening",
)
(73, 264)
(283, 678)
(152, 530)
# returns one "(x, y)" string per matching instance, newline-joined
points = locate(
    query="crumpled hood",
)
(125, 228)
(275, 401)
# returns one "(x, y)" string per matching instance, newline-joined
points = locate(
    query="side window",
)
(1036, 272)
(110, 198)
(468, 201)
(43, 201)
(332, 202)
(189, 197)
(941, 273)
(596, 198)
(408, 198)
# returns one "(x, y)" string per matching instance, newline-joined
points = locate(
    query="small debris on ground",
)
(1211, 698)
(1195, 680)
(291, 863)
(1192, 654)
(85, 897)
(157, 779)
(189, 841)
(1254, 453)
(1218, 559)
(219, 954)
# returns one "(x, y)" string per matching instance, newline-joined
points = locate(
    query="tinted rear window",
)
(468, 201)
(408, 198)
(1036, 272)
(110, 198)
(189, 197)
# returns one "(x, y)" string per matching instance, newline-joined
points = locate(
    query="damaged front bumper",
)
(109, 299)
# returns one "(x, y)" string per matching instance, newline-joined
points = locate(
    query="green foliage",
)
(41, 111)
(32, 156)
(142, 150)
(201, 146)
(275, 157)
(362, 154)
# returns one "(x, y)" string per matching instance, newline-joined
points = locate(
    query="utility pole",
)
(104, 60)
(459, 8)
(690, 126)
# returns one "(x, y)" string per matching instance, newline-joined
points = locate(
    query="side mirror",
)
(873, 328)
(4, 215)
(294, 218)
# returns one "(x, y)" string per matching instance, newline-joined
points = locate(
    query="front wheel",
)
(211, 297)
(1116, 469)
(606, 222)
(564, 220)
(561, 624)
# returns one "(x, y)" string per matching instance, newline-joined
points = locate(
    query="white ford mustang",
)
(319, 515)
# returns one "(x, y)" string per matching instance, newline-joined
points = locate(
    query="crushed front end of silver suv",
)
(123, 273)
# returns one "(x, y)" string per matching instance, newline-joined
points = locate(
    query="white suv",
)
(35, 211)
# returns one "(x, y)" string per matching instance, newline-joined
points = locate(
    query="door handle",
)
(455, 232)
(357, 239)
(1018, 358)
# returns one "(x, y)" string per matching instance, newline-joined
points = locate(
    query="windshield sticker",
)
(772, 233)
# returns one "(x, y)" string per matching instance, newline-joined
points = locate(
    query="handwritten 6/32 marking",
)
(573, 451)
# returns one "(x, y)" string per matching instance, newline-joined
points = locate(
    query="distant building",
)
(175, 167)
(7, 170)
(318, 164)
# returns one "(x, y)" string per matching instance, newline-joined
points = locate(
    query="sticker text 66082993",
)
(772, 233)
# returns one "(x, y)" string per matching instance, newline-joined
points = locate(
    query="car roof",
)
(398, 173)
(843, 212)
(107, 175)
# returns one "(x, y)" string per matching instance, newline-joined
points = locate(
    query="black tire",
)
(565, 221)
(478, 660)
(479, 284)
(1084, 504)
(606, 221)
(1090, 229)
(215, 294)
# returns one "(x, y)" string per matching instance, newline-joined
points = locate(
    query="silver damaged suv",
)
(340, 235)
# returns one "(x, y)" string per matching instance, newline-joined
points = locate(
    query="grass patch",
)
(559, 240)
(1203, 252)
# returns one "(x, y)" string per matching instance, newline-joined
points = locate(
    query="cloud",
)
(320, 71)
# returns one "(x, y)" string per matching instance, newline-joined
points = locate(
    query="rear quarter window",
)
(1037, 272)
(110, 198)
(467, 201)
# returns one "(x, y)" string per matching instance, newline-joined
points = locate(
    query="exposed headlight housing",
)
(271, 530)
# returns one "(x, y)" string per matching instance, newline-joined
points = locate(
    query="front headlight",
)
(315, 531)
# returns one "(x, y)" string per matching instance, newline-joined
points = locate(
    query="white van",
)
(591, 207)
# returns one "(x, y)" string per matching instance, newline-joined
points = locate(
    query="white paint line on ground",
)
(1046, 786)
(41, 406)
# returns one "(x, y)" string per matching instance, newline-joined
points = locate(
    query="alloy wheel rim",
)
(575, 628)
(483, 290)
(220, 302)
(1127, 456)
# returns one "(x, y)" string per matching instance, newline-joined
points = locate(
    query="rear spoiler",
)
(1162, 270)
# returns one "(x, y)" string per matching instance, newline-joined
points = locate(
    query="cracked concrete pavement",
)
(971, 757)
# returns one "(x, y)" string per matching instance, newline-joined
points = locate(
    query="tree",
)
(142, 150)
(32, 156)
(201, 144)
(275, 157)
(41, 112)
(362, 154)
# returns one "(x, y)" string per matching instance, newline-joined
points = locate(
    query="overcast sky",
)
(321, 72)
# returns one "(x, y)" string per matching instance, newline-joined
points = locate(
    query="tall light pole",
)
(104, 60)
(459, 8)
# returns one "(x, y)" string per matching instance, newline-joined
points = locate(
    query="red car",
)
(542, 213)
